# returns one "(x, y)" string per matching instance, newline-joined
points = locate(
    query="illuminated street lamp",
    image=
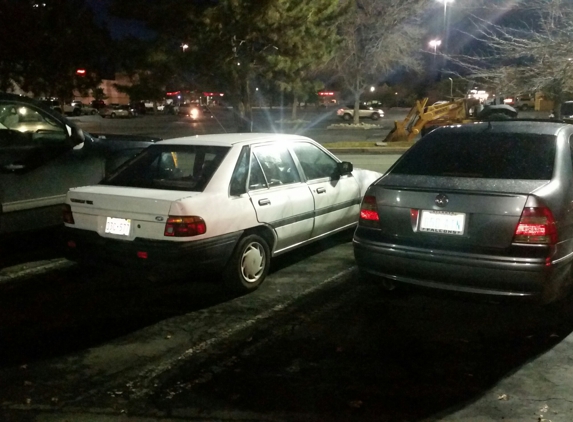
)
(184, 47)
(435, 44)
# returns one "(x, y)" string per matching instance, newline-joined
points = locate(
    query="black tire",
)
(375, 116)
(77, 112)
(112, 115)
(347, 116)
(94, 112)
(249, 264)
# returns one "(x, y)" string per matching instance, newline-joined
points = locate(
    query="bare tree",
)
(379, 37)
(532, 52)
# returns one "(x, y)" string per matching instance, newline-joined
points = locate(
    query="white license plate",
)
(442, 222)
(119, 226)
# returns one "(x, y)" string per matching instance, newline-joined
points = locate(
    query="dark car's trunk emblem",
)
(441, 200)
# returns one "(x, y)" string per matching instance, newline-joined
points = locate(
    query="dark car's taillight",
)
(67, 214)
(185, 226)
(536, 226)
(369, 212)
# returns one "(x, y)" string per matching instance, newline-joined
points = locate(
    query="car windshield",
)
(170, 167)
(481, 155)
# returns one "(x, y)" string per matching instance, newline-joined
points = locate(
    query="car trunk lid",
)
(146, 209)
(450, 213)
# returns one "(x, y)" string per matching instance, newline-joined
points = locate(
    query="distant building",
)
(112, 95)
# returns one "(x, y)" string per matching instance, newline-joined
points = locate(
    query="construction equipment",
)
(423, 118)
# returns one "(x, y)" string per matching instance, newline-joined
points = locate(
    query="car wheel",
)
(112, 115)
(77, 112)
(94, 112)
(249, 264)
(375, 116)
(347, 116)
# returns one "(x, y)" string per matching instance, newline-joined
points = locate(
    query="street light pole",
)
(451, 89)
(446, 24)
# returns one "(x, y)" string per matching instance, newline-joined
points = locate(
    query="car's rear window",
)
(481, 155)
(170, 167)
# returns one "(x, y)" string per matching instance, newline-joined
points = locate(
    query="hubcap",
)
(253, 262)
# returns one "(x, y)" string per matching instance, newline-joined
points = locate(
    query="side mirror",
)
(345, 168)
(76, 135)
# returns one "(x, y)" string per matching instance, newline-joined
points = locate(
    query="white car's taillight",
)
(185, 226)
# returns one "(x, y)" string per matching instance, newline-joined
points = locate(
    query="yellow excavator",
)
(423, 118)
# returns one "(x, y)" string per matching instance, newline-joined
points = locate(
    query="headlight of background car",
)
(194, 113)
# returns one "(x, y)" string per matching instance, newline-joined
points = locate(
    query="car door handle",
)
(321, 190)
(264, 201)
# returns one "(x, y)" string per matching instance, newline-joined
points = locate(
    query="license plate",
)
(119, 226)
(442, 222)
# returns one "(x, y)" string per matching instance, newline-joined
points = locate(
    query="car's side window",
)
(277, 165)
(315, 163)
(21, 124)
(256, 176)
(240, 174)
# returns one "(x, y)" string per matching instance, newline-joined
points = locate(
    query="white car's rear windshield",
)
(481, 155)
(186, 167)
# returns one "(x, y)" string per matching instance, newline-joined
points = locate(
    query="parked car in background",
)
(138, 108)
(524, 102)
(483, 208)
(116, 110)
(224, 203)
(77, 108)
(42, 155)
(347, 112)
(52, 103)
(566, 109)
(97, 104)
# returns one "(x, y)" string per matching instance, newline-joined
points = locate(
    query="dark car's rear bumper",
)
(461, 272)
(205, 255)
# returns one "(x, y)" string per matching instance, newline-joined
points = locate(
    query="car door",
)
(278, 195)
(336, 198)
(38, 164)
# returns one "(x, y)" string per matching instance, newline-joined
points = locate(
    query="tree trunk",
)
(557, 101)
(294, 107)
(356, 119)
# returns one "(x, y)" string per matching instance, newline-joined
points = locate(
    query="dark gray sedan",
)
(485, 208)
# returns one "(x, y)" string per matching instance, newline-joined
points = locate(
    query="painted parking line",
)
(143, 383)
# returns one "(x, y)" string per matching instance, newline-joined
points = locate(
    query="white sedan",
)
(347, 112)
(225, 203)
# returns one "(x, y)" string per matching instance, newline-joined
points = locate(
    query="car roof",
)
(230, 139)
(545, 127)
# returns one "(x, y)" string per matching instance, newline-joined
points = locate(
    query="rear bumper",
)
(205, 255)
(462, 272)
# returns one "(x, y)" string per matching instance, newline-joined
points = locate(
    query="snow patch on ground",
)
(365, 126)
